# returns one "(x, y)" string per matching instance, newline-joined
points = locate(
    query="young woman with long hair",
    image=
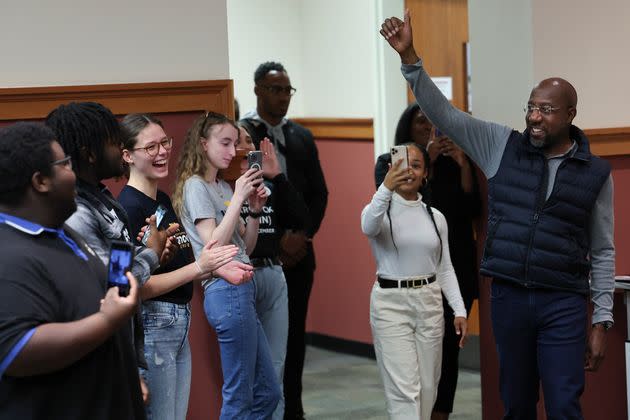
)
(455, 193)
(409, 242)
(210, 211)
(166, 295)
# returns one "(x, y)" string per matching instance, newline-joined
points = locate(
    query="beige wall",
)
(338, 58)
(500, 59)
(70, 42)
(332, 51)
(326, 46)
(586, 42)
(516, 43)
(260, 31)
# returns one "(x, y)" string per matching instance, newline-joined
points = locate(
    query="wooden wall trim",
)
(604, 141)
(37, 102)
(339, 128)
(609, 141)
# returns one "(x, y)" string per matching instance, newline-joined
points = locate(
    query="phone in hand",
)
(254, 160)
(438, 133)
(159, 215)
(121, 256)
(399, 153)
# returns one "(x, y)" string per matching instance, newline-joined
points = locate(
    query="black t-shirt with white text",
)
(284, 209)
(139, 206)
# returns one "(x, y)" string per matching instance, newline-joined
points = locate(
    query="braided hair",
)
(84, 129)
(425, 190)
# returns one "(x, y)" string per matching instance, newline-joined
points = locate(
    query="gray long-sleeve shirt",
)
(485, 143)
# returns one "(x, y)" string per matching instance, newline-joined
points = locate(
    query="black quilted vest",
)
(536, 242)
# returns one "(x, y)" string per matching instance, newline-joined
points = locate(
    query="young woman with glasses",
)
(166, 295)
(210, 211)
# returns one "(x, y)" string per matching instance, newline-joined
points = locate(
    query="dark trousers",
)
(541, 338)
(299, 285)
(450, 360)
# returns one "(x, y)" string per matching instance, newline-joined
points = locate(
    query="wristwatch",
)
(606, 324)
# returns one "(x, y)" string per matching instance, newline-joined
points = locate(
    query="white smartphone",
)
(399, 153)
(159, 215)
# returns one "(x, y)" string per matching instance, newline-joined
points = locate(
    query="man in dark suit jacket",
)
(298, 158)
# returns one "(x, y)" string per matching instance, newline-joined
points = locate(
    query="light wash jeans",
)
(250, 388)
(273, 312)
(167, 351)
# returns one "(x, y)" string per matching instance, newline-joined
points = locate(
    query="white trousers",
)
(407, 327)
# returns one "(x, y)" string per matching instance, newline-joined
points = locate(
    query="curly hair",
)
(83, 129)
(192, 158)
(24, 150)
(265, 68)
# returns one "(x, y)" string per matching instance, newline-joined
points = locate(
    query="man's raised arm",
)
(483, 141)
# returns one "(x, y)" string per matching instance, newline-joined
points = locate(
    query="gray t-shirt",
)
(203, 200)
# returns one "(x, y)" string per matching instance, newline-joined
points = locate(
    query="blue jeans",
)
(167, 351)
(250, 388)
(273, 312)
(541, 338)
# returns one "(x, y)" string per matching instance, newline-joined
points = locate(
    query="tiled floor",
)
(340, 386)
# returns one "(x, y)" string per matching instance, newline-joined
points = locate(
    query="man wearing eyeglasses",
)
(65, 344)
(299, 161)
(550, 229)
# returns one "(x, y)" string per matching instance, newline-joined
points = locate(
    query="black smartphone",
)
(159, 215)
(120, 261)
(254, 159)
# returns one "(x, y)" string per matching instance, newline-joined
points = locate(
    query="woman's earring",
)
(424, 182)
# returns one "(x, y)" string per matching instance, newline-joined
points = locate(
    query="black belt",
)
(264, 262)
(395, 284)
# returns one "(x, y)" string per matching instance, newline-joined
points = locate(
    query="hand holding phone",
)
(159, 216)
(119, 309)
(121, 256)
(255, 160)
(399, 153)
(399, 172)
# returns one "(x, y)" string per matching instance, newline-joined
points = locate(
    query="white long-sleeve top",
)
(417, 242)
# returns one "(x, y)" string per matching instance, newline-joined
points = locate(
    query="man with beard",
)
(550, 229)
(93, 138)
(299, 161)
(65, 344)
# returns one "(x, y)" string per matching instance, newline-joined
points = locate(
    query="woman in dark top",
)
(166, 295)
(455, 192)
(284, 209)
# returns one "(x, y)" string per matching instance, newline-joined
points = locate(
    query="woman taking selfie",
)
(409, 242)
(210, 211)
(455, 193)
